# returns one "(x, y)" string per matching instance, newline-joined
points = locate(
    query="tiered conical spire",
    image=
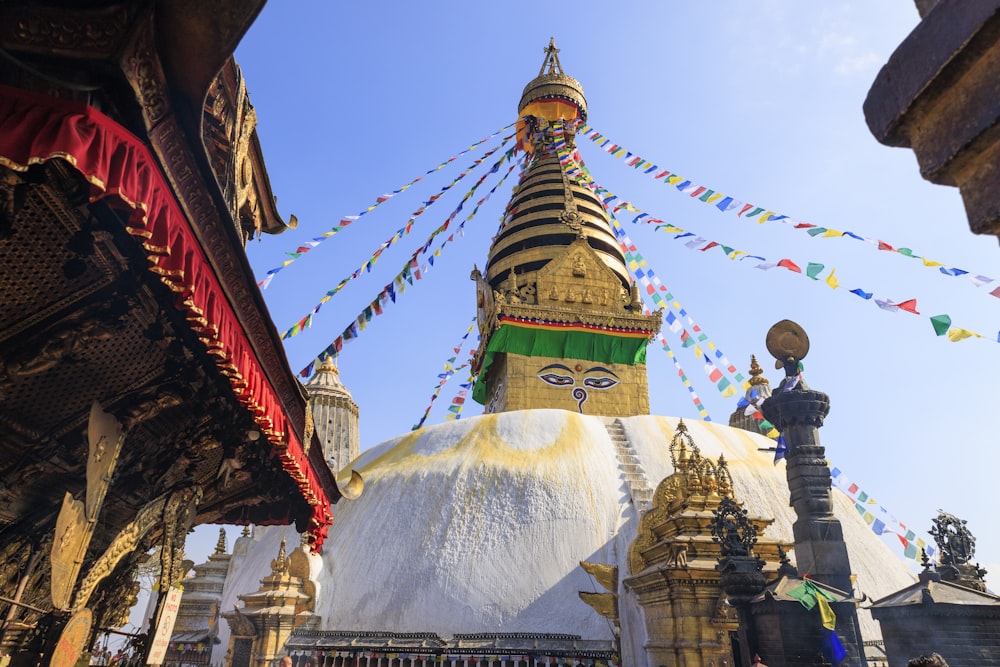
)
(334, 415)
(556, 307)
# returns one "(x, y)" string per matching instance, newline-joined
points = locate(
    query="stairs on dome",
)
(635, 475)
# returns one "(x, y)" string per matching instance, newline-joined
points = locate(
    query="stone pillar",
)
(798, 412)
(820, 550)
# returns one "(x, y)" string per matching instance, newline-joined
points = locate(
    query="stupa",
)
(467, 542)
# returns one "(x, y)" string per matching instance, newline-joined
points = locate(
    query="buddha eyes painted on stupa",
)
(595, 377)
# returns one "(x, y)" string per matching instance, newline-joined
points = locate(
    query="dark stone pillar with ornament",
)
(798, 412)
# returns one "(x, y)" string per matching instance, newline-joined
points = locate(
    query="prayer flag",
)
(957, 334)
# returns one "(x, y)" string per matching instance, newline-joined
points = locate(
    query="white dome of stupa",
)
(479, 525)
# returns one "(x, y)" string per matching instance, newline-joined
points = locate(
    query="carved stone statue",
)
(732, 529)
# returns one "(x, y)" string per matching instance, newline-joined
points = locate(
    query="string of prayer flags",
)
(449, 370)
(814, 269)
(306, 321)
(458, 402)
(665, 346)
(381, 199)
(728, 204)
(879, 518)
(635, 262)
(412, 270)
(644, 275)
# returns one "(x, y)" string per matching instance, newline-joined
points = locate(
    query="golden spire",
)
(756, 373)
(280, 564)
(220, 546)
(246, 531)
(552, 83)
(328, 365)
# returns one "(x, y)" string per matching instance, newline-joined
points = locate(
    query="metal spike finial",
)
(246, 531)
(220, 546)
(551, 60)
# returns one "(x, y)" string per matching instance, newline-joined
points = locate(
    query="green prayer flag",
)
(813, 269)
(804, 595)
(941, 324)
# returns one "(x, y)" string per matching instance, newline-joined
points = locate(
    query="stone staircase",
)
(633, 472)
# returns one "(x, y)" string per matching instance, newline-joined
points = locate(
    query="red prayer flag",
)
(882, 245)
(790, 265)
(910, 306)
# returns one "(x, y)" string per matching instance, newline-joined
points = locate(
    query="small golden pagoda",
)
(561, 324)
(673, 561)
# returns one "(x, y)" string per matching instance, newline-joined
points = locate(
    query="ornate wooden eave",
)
(126, 287)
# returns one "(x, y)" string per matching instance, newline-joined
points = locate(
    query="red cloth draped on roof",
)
(36, 128)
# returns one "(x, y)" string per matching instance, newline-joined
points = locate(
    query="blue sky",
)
(761, 101)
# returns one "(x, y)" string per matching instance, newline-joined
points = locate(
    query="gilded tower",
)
(560, 322)
(334, 415)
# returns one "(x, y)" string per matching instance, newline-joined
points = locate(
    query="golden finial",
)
(552, 82)
(756, 372)
(280, 564)
(328, 365)
(679, 448)
(246, 531)
(220, 546)
(725, 479)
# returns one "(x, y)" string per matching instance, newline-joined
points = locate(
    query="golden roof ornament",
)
(756, 372)
(328, 365)
(220, 546)
(279, 565)
(553, 83)
(246, 531)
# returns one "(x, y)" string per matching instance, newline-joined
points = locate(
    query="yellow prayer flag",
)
(930, 262)
(831, 280)
(956, 334)
(832, 232)
(729, 391)
(826, 613)
(714, 198)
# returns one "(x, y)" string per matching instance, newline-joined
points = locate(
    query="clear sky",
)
(761, 101)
